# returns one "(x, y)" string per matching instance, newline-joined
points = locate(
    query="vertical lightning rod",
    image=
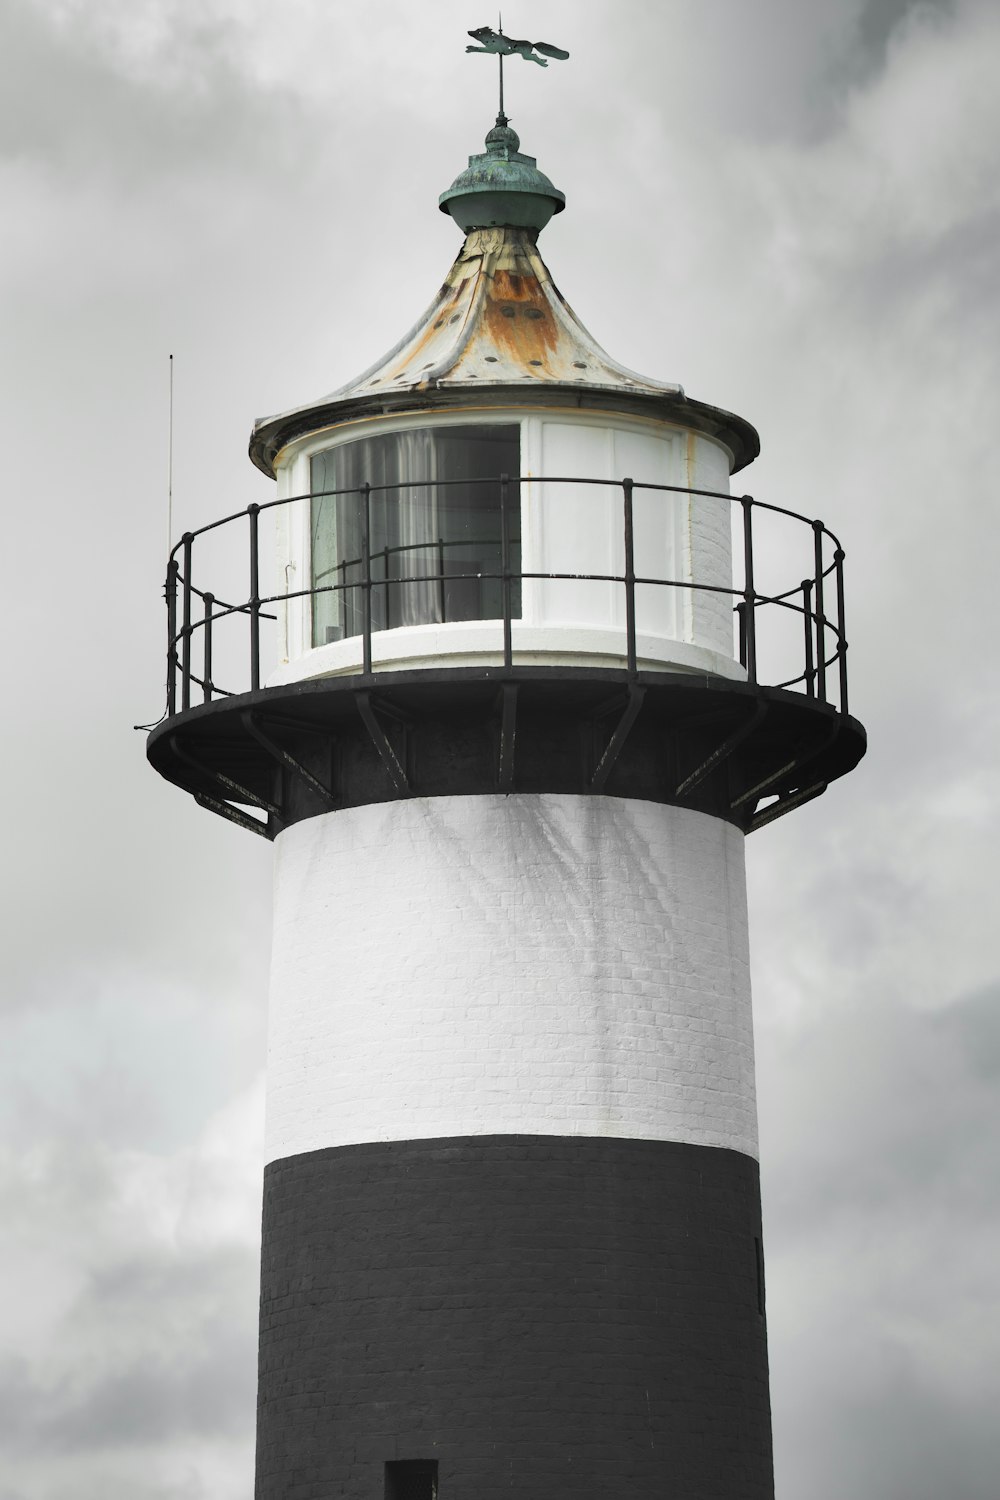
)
(170, 457)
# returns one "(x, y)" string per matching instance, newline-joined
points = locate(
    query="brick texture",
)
(544, 1317)
(547, 964)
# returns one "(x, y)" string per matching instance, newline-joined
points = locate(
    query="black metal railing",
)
(195, 613)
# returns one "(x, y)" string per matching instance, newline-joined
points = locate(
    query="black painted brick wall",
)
(546, 1317)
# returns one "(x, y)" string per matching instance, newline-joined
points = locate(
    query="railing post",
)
(630, 653)
(749, 597)
(188, 543)
(442, 598)
(741, 615)
(366, 576)
(818, 529)
(388, 596)
(170, 594)
(807, 622)
(838, 558)
(208, 600)
(253, 511)
(508, 652)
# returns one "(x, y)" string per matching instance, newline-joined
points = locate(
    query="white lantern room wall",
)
(565, 528)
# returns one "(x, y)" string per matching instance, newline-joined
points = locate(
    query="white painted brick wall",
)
(542, 965)
(711, 547)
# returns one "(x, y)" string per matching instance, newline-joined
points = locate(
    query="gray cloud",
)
(155, 1349)
(103, 113)
(881, 19)
(903, 1111)
(146, 1402)
(880, 1137)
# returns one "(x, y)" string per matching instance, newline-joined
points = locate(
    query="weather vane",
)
(506, 46)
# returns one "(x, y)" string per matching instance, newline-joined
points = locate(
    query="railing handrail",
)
(412, 484)
(807, 598)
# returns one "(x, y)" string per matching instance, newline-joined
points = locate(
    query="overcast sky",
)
(792, 208)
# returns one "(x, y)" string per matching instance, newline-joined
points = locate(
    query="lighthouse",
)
(519, 680)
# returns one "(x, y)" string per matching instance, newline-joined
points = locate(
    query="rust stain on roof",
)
(518, 318)
(497, 320)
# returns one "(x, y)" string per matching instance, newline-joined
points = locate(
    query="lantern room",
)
(435, 503)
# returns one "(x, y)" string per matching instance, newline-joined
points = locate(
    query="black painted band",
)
(549, 1317)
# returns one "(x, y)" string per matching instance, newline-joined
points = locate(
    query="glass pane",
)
(435, 533)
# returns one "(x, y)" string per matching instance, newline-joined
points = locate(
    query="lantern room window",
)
(434, 528)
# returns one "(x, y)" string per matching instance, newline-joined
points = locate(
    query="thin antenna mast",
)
(501, 116)
(170, 458)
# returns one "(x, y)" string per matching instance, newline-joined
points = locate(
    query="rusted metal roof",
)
(499, 319)
(499, 326)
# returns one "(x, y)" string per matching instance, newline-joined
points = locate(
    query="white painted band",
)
(480, 643)
(532, 965)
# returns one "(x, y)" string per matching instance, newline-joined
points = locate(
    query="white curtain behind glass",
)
(412, 515)
(434, 528)
(404, 534)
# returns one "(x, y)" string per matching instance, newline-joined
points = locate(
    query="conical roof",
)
(498, 331)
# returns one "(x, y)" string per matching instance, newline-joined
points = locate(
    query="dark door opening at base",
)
(411, 1479)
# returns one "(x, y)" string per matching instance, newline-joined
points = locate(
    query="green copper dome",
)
(501, 187)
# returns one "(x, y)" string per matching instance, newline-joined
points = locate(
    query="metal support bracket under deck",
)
(723, 751)
(508, 735)
(235, 788)
(786, 805)
(606, 764)
(378, 737)
(794, 764)
(283, 757)
(233, 814)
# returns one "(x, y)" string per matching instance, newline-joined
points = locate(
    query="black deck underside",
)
(740, 752)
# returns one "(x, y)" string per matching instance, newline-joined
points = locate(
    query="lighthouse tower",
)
(523, 684)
